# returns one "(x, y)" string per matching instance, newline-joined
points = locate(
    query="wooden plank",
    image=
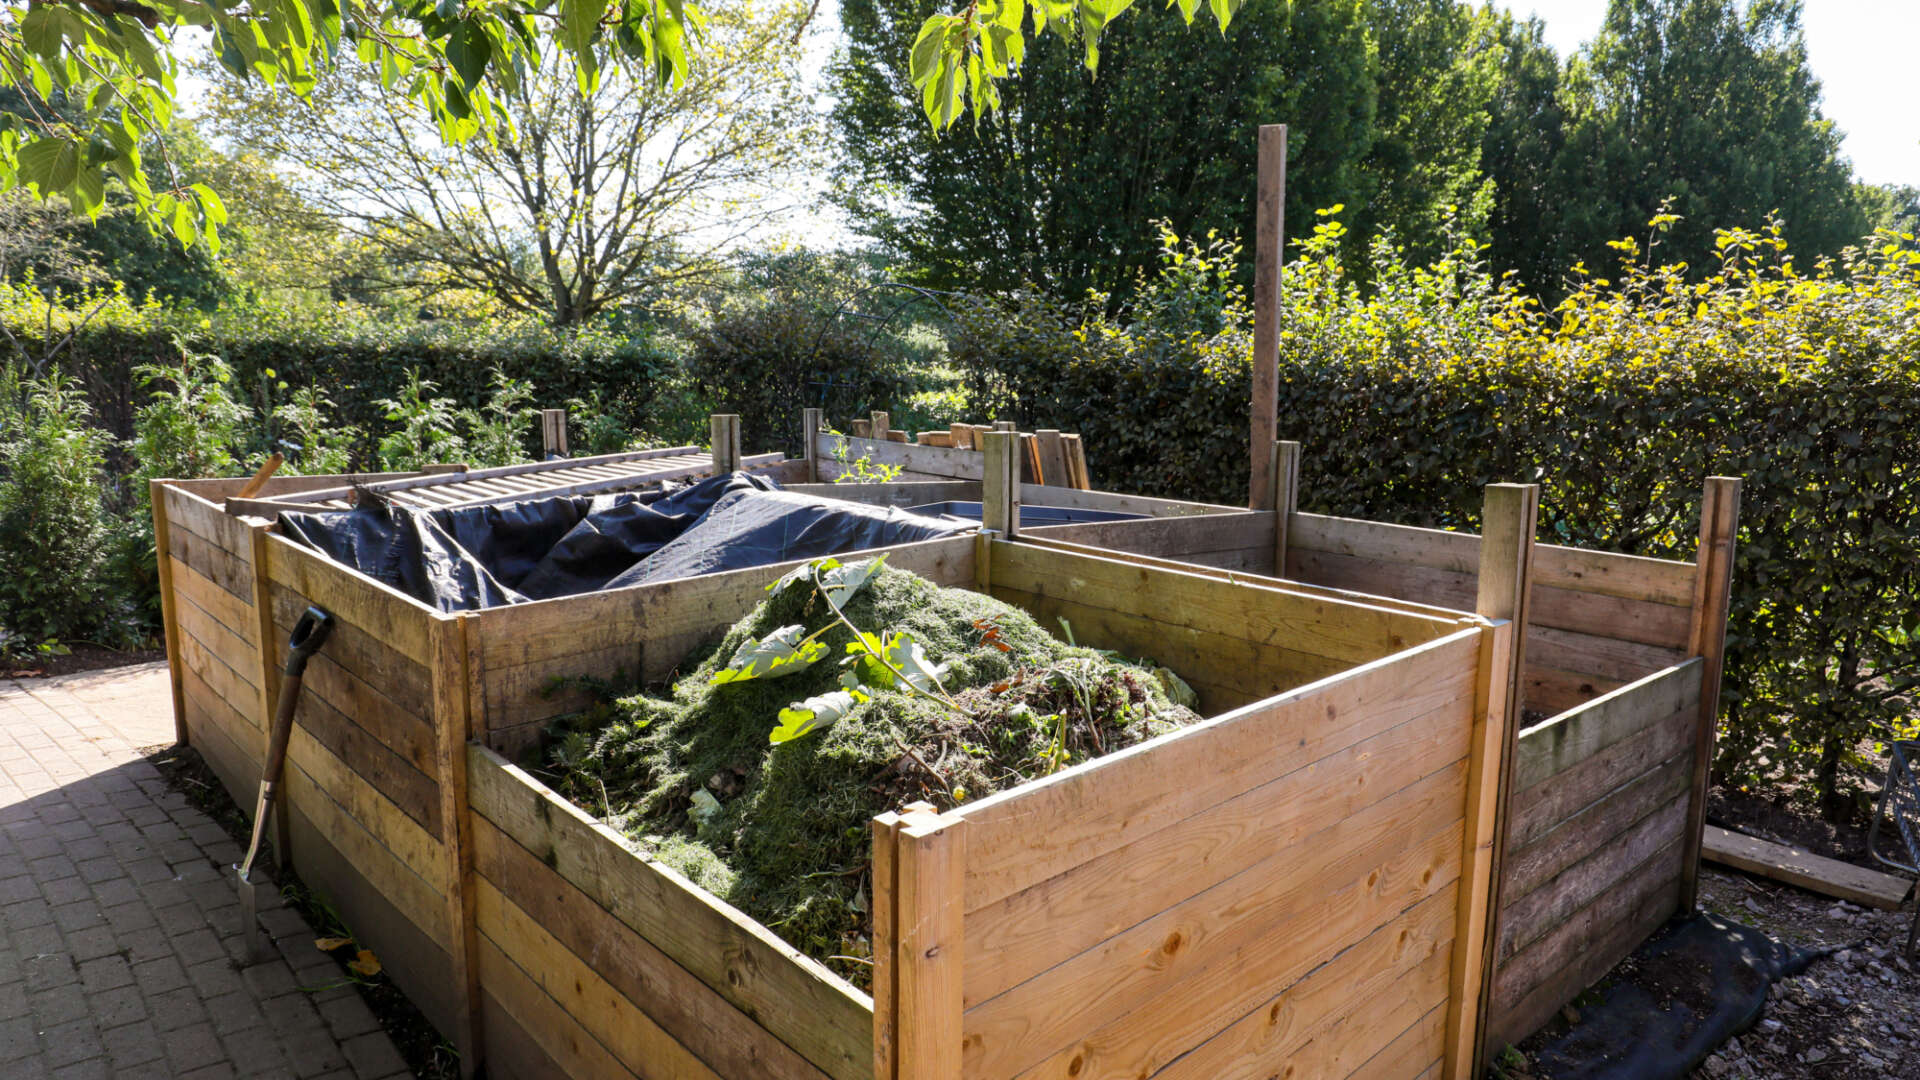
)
(1269, 250)
(932, 460)
(1542, 807)
(406, 733)
(418, 899)
(511, 1049)
(601, 1010)
(885, 939)
(233, 651)
(1020, 837)
(157, 496)
(187, 512)
(999, 485)
(1416, 1053)
(1557, 967)
(212, 562)
(1553, 850)
(1551, 691)
(429, 481)
(1329, 1022)
(902, 495)
(1560, 743)
(383, 820)
(1259, 930)
(452, 722)
(1078, 499)
(229, 685)
(680, 1004)
(1076, 450)
(1611, 659)
(1175, 537)
(1017, 938)
(1629, 577)
(796, 999)
(1351, 632)
(1052, 457)
(413, 791)
(930, 945)
(559, 1036)
(1802, 868)
(400, 679)
(1535, 914)
(1713, 591)
(396, 619)
(211, 724)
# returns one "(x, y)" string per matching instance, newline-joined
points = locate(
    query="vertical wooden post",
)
(725, 429)
(1076, 451)
(453, 722)
(810, 443)
(962, 436)
(1052, 454)
(553, 433)
(1005, 425)
(1286, 499)
(1000, 484)
(1712, 594)
(1511, 515)
(169, 617)
(882, 423)
(918, 1005)
(1270, 233)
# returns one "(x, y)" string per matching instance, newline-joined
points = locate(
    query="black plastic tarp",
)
(536, 549)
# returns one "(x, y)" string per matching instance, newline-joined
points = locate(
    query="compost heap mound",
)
(782, 831)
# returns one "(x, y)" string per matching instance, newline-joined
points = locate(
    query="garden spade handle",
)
(308, 635)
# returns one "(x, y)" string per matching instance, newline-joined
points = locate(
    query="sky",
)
(1862, 51)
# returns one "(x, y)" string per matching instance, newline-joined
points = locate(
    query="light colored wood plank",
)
(395, 618)
(1563, 741)
(560, 1037)
(424, 483)
(229, 610)
(1269, 250)
(405, 733)
(229, 685)
(400, 679)
(930, 460)
(1629, 577)
(696, 1017)
(1713, 592)
(930, 945)
(902, 495)
(884, 875)
(1802, 868)
(1175, 537)
(1053, 458)
(1078, 499)
(1076, 450)
(220, 640)
(1610, 659)
(211, 724)
(1259, 930)
(1416, 1053)
(1020, 837)
(213, 562)
(188, 512)
(797, 1000)
(403, 885)
(383, 820)
(450, 720)
(617, 1024)
(1286, 497)
(999, 485)
(415, 792)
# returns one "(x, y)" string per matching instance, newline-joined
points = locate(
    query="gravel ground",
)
(1853, 1015)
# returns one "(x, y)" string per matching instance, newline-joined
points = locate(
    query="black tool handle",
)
(308, 635)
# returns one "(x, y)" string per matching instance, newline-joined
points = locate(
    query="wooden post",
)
(1076, 451)
(882, 423)
(962, 436)
(553, 433)
(169, 617)
(1510, 518)
(810, 438)
(1005, 425)
(453, 722)
(1712, 594)
(1270, 232)
(1286, 499)
(1000, 484)
(725, 428)
(1052, 453)
(917, 1006)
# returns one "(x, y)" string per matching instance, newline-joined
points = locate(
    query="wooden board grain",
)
(560, 1038)
(1552, 851)
(395, 619)
(1174, 537)
(399, 679)
(1553, 902)
(215, 672)
(418, 898)
(1561, 742)
(409, 844)
(1538, 809)
(1802, 868)
(1088, 499)
(215, 563)
(413, 791)
(221, 605)
(800, 1002)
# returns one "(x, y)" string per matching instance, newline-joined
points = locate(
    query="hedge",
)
(1618, 402)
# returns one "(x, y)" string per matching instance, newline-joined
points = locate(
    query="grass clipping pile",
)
(776, 822)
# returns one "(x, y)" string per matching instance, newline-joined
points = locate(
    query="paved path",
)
(119, 923)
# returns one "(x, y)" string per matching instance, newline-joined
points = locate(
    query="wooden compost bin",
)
(1302, 878)
(1606, 786)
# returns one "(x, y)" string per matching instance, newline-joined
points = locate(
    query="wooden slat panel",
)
(1017, 938)
(212, 724)
(409, 735)
(793, 997)
(902, 495)
(682, 1005)
(411, 845)
(1265, 928)
(1418, 1046)
(1551, 691)
(1605, 658)
(603, 1012)
(232, 613)
(397, 620)
(219, 640)
(559, 1036)
(1533, 985)
(401, 680)
(1531, 865)
(413, 895)
(213, 562)
(225, 682)
(1630, 577)
(1336, 1018)
(1039, 830)
(1087, 499)
(1563, 741)
(1176, 537)
(1343, 631)
(208, 522)
(413, 791)
(1537, 913)
(1540, 808)
(932, 460)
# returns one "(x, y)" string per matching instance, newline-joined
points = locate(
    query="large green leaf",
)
(782, 652)
(805, 717)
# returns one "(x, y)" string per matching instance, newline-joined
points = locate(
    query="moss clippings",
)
(789, 840)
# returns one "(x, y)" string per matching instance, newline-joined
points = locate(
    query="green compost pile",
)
(781, 830)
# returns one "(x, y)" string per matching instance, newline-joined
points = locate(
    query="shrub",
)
(1618, 401)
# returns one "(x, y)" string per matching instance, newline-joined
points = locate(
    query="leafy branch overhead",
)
(958, 57)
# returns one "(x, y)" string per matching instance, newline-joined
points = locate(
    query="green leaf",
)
(804, 717)
(926, 49)
(843, 581)
(782, 652)
(50, 163)
(468, 50)
(41, 29)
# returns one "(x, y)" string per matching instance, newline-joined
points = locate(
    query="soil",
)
(426, 1052)
(1780, 819)
(83, 657)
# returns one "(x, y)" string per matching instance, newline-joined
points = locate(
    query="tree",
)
(1890, 207)
(1525, 131)
(575, 203)
(1061, 186)
(1694, 102)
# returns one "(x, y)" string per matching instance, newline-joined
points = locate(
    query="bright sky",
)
(1860, 50)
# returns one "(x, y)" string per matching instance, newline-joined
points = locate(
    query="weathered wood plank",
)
(902, 495)
(559, 1036)
(402, 681)
(1171, 537)
(208, 521)
(383, 819)
(683, 1006)
(212, 724)
(1088, 499)
(931, 460)
(930, 946)
(1537, 810)
(1264, 928)
(1416, 1053)
(413, 791)
(1629, 577)
(215, 563)
(1546, 855)
(1802, 868)
(1535, 914)
(601, 1010)
(1561, 742)
(801, 1003)
(1020, 837)
(402, 885)
(1608, 659)
(1550, 691)
(407, 733)
(231, 686)
(231, 612)
(397, 620)
(217, 638)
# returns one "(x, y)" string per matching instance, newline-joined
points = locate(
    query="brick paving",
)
(119, 920)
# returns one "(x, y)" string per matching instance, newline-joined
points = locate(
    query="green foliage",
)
(311, 441)
(56, 539)
(780, 829)
(424, 428)
(499, 433)
(1619, 401)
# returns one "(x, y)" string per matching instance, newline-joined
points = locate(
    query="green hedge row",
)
(1619, 403)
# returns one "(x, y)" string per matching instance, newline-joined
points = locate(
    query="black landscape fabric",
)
(509, 553)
